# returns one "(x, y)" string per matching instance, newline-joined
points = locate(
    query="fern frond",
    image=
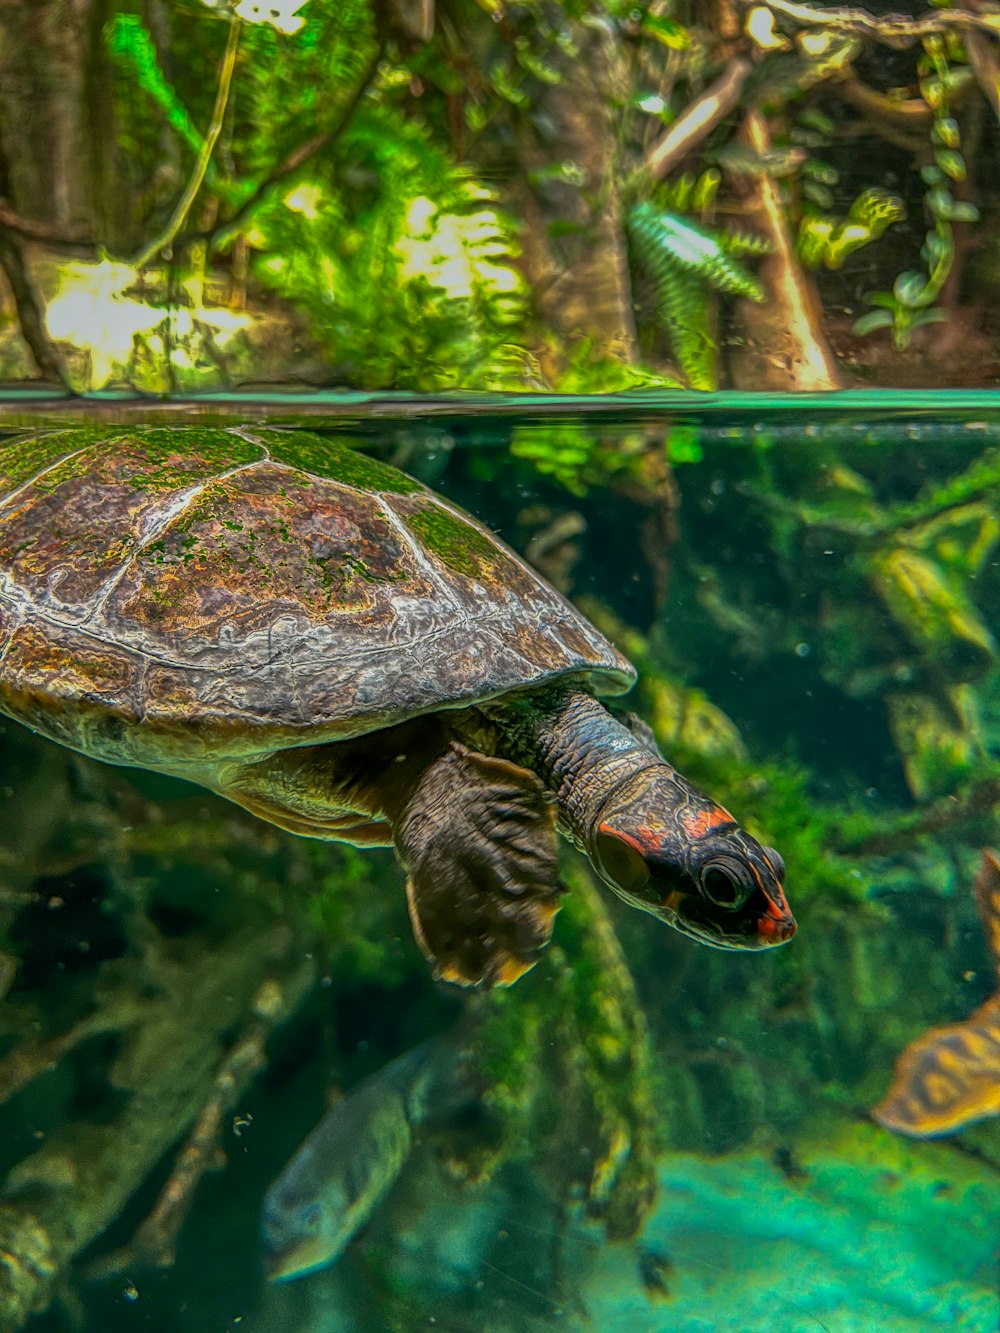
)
(665, 241)
(742, 243)
(683, 309)
(408, 278)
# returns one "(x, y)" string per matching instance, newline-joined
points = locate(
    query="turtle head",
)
(671, 851)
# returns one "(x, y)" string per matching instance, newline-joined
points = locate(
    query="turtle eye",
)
(723, 885)
(623, 864)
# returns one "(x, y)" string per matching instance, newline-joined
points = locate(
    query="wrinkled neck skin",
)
(582, 754)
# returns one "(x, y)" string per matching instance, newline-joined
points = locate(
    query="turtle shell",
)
(175, 597)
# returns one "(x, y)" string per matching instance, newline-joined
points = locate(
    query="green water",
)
(651, 1135)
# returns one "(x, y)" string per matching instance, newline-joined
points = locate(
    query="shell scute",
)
(47, 667)
(255, 547)
(66, 534)
(334, 460)
(179, 596)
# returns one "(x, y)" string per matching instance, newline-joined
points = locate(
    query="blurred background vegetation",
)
(576, 195)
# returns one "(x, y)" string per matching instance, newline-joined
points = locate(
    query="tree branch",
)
(298, 157)
(976, 802)
(166, 237)
(791, 349)
(983, 63)
(891, 29)
(29, 310)
(697, 120)
(37, 231)
(914, 113)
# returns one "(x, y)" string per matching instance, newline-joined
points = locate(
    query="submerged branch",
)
(167, 1069)
(872, 522)
(34, 1057)
(156, 1240)
(978, 801)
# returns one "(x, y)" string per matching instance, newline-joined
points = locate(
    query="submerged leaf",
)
(947, 1079)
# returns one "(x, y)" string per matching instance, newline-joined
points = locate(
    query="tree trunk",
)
(56, 116)
(574, 237)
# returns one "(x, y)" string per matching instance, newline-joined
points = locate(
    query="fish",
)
(346, 1166)
(950, 1077)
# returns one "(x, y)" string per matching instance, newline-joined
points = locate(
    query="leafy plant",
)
(579, 456)
(406, 271)
(686, 263)
(825, 240)
(130, 44)
(910, 304)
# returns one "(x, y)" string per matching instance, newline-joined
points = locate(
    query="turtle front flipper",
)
(478, 841)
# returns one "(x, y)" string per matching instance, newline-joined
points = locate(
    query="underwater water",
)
(642, 1133)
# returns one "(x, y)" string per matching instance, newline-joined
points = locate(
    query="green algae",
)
(571, 1052)
(26, 456)
(333, 460)
(173, 457)
(455, 542)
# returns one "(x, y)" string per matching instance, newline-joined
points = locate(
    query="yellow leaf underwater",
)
(950, 1077)
(947, 1078)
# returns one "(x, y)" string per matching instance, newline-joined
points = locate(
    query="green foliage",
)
(663, 29)
(686, 263)
(574, 454)
(824, 240)
(293, 87)
(587, 371)
(580, 456)
(356, 905)
(130, 45)
(910, 304)
(407, 278)
(285, 82)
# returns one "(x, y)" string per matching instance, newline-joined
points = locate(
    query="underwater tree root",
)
(32, 1058)
(156, 1240)
(172, 1067)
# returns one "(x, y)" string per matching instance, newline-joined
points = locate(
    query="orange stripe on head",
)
(645, 841)
(698, 823)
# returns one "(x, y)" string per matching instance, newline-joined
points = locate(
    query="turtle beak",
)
(761, 923)
(775, 925)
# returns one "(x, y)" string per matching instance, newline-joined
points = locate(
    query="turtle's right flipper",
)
(478, 840)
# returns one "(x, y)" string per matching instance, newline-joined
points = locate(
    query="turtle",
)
(318, 637)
